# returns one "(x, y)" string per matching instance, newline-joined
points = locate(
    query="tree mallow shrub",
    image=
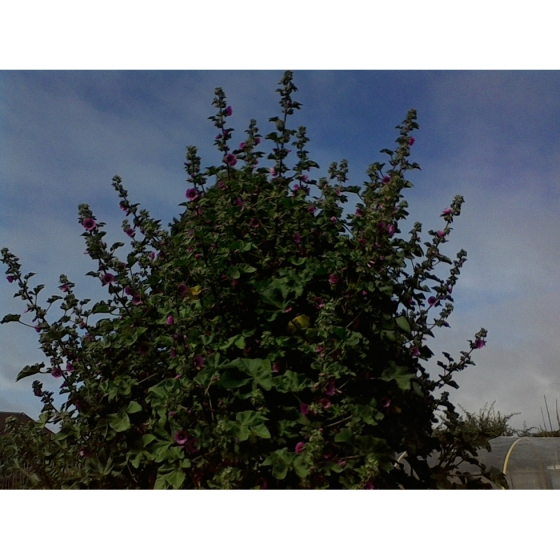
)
(263, 341)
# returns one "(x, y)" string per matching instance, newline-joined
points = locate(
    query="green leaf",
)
(100, 307)
(10, 318)
(260, 430)
(148, 438)
(133, 407)
(176, 478)
(30, 370)
(343, 436)
(301, 468)
(120, 422)
(402, 322)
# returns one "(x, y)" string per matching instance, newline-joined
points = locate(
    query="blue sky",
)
(491, 136)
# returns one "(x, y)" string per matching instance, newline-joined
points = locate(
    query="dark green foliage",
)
(256, 344)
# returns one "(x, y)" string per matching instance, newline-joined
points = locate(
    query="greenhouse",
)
(529, 463)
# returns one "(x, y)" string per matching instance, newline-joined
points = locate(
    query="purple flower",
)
(228, 112)
(385, 402)
(230, 160)
(89, 223)
(297, 238)
(57, 372)
(369, 485)
(169, 320)
(181, 437)
(198, 362)
(479, 343)
(386, 179)
(130, 232)
(411, 141)
(391, 230)
(276, 367)
(10, 279)
(415, 351)
(108, 278)
(173, 353)
(127, 290)
(136, 299)
(273, 171)
(69, 367)
(304, 409)
(182, 289)
(299, 447)
(333, 219)
(311, 210)
(432, 300)
(446, 212)
(191, 194)
(143, 348)
(242, 146)
(440, 233)
(257, 141)
(254, 222)
(152, 255)
(333, 279)
(359, 212)
(240, 202)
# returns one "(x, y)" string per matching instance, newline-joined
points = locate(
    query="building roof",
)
(21, 416)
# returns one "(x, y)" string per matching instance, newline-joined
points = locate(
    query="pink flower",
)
(391, 230)
(108, 279)
(191, 194)
(333, 278)
(182, 289)
(169, 321)
(130, 232)
(299, 447)
(432, 300)
(276, 367)
(242, 146)
(173, 353)
(333, 219)
(10, 279)
(415, 351)
(181, 437)
(325, 402)
(127, 291)
(297, 238)
(136, 299)
(369, 485)
(273, 171)
(89, 224)
(479, 343)
(57, 372)
(386, 179)
(230, 160)
(228, 112)
(304, 409)
(257, 141)
(329, 388)
(69, 367)
(311, 209)
(385, 402)
(198, 362)
(359, 212)
(446, 212)
(411, 141)
(440, 234)
(318, 302)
